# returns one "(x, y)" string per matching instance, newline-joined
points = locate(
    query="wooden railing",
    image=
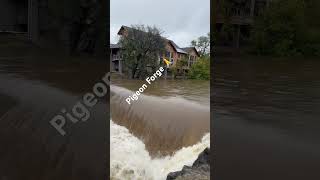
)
(116, 57)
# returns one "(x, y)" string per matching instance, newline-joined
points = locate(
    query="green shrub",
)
(287, 28)
(201, 69)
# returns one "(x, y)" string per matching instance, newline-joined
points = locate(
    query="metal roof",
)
(188, 49)
(178, 49)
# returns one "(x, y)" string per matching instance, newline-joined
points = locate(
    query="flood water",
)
(163, 130)
(266, 118)
(32, 91)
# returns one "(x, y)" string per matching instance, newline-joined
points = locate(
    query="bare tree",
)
(202, 44)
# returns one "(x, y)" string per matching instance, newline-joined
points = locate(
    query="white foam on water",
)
(131, 161)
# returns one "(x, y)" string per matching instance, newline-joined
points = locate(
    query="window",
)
(168, 54)
(192, 60)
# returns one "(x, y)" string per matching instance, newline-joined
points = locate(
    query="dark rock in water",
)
(203, 158)
(200, 169)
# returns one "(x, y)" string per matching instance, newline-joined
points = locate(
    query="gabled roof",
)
(188, 49)
(175, 46)
(122, 28)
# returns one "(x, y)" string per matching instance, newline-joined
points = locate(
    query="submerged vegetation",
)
(200, 70)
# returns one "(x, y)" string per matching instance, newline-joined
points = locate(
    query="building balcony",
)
(237, 19)
(116, 58)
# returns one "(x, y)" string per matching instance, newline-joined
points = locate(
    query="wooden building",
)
(20, 17)
(173, 53)
(240, 15)
(63, 25)
(116, 62)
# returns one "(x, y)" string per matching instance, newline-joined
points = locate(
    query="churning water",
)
(166, 129)
(159, 133)
(131, 160)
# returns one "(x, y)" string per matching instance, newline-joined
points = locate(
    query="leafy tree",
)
(285, 29)
(141, 48)
(202, 44)
(200, 69)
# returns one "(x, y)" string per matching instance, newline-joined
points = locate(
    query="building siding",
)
(174, 56)
(13, 15)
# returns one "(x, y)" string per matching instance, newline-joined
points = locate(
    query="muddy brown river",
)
(266, 118)
(169, 115)
(32, 91)
(167, 127)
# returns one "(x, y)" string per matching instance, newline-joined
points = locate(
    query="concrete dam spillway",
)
(164, 130)
(165, 125)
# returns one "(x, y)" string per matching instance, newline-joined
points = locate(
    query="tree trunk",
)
(134, 70)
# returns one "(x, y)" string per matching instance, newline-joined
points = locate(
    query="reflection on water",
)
(266, 117)
(31, 93)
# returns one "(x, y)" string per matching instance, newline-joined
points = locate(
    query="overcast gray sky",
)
(181, 20)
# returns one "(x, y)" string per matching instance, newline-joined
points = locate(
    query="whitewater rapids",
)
(131, 161)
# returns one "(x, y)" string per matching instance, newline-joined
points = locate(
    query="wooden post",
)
(166, 73)
(268, 3)
(120, 65)
(237, 36)
(110, 61)
(33, 17)
(252, 8)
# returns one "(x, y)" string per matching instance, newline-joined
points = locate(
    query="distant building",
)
(74, 28)
(115, 58)
(173, 53)
(240, 15)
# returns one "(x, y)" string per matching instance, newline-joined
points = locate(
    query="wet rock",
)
(200, 169)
